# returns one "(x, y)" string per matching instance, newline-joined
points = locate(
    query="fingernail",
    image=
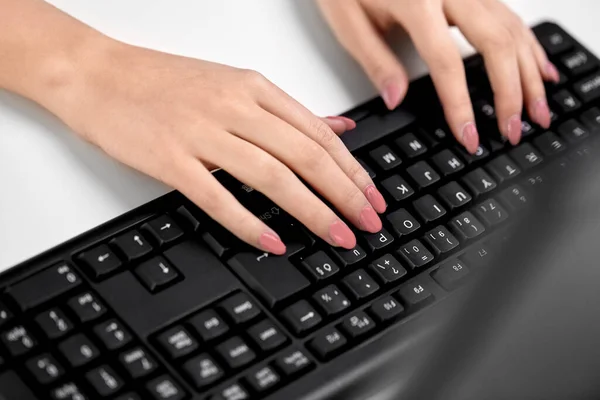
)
(341, 235)
(552, 72)
(369, 220)
(514, 129)
(470, 137)
(541, 113)
(391, 95)
(348, 123)
(375, 198)
(337, 125)
(270, 242)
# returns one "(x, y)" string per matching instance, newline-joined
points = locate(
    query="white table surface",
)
(53, 186)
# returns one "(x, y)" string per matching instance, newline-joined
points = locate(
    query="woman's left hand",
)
(516, 63)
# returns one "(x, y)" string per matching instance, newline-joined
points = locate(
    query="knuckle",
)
(324, 135)
(353, 196)
(356, 172)
(312, 157)
(254, 79)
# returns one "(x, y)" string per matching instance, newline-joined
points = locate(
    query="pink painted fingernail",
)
(341, 235)
(391, 95)
(470, 137)
(552, 72)
(348, 123)
(541, 113)
(369, 220)
(270, 242)
(375, 198)
(337, 125)
(514, 129)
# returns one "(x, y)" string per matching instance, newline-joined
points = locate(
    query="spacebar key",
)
(274, 278)
(13, 388)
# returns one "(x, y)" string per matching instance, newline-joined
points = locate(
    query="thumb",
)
(361, 39)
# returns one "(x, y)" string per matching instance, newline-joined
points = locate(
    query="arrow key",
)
(163, 229)
(99, 261)
(156, 274)
(132, 244)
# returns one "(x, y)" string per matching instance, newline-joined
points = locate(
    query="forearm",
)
(44, 53)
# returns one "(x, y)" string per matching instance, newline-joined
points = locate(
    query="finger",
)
(277, 182)
(277, 102)
(547, 69)
(428, 29)
(201, 187)
(313, 163)
(531, 79)
(360, 38)
(339, 124)
(495, 43)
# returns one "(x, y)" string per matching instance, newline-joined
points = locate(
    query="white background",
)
(53, 186)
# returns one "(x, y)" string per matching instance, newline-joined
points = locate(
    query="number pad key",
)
(54, 323)
(138, 363)
(78, 350)
(491, 212)
(387, 269)
(87, 307)
(441, 240)
(415, 254)
(45, 369)
(331, 300)
(18, 340)
(209, 325)
(467, 226)
(360, 284)
(320, 266)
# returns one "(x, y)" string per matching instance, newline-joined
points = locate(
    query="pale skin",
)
(177, 118)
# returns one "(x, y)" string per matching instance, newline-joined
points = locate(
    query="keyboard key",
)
(447, 162)
(274, 278)
(536, 181)
(423, 174)
(232, 392)
(301, 317)
(429, 208)
(156, 274)
(360, 284)
(578, 62)
(100, 261)
(379, 240)
(44, 286)
(450, 274)
(240, 308)
(220, 240)
(262, 379)
(203, 370)
(566, 101)
(104, 380)
(138, 363)
(293, 361)
(5, 314)
(68, 391)
(454, 195)
(45, 369)
(435, 136)
(481, 153)
(209, 325)
(526, 156)
(485, 110)
(591, 118)
(479, 182)
(556, 43)
(477, 256)
(369, 170)
(132, 245)
(503, 168)
(573, 131)
(13, 388)
(54, 323)
(397, 187)
(163, 230)
(387, 269)
(549, 144)
(526, 129)
(466, 226)
(415, 294)
(330, 300)
(188, 218)
(320, 265)
(112, 334)
(235, 352)
(327, 343)
(491, 212)
(402, 222)
(349, 257)
(165, 388)
(357, 324)
(78, 350)
(441, 240)
(415, 254)
(514, 197)
(18, 340)
(386, 309)
(86, 307)
(410, 145)
(177, 342)
(385, 158)
(267, 336)
(588, 89)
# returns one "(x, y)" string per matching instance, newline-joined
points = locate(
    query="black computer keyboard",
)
(164, 304)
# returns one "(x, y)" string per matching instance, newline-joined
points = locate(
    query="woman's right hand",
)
(176, 118)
